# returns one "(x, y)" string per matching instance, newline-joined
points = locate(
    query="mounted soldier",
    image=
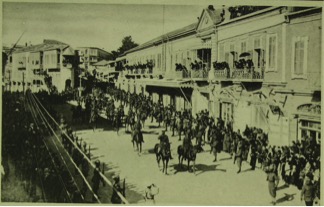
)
(187, 144)
(164, 142)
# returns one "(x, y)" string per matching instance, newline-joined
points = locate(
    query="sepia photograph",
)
(161, 104)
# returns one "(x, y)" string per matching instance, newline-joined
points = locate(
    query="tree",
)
(127, 44)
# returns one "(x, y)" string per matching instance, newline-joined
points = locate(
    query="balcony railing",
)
(240, 74)
(247, 74)
(199, 73)
(222, 74)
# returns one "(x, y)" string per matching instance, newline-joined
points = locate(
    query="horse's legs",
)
(158, 159)
(166, 165)
(140, 144)
(188, 164)
(193, 165)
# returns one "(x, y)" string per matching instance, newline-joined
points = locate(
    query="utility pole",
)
(23, 81)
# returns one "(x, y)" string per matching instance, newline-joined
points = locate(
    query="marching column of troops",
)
(298, 164)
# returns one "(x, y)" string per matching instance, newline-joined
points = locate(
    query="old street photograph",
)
(161, 104)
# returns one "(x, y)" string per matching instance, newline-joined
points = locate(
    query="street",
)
(214, 183)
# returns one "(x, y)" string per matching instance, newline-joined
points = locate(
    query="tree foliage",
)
(127, 44)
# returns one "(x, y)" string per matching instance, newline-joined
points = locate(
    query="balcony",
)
(199, 74)
(247, 74)
(222, 74)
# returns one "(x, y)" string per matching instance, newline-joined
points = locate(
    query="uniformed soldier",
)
(164, 142)
(187, 144)
(239, 154)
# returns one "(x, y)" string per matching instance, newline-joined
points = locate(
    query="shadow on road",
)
(205, 168)
(287, 197)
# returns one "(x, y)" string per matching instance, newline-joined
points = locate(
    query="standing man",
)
(238, 154)
(273, 181)
(308, 190)
(115, 199)
(96, 178)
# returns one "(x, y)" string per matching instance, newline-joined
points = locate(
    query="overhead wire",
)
(75, 165)
(63, 160)
(38, 166)
(33, 113)
(82, 153)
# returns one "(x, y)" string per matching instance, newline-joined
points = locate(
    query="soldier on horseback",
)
(165, 143)
(187, 144)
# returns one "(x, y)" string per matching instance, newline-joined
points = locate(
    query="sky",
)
(95, 25)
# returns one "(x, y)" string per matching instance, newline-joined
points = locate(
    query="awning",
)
(163, 83)
(120, 58)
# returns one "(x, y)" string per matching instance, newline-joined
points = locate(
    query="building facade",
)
(28, 67)
(90, 56)
(260, 68)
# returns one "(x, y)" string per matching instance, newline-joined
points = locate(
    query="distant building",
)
(27, 67)
(90, 56)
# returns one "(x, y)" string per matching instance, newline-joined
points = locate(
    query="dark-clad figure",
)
(164, 142)
(238, 155)
(115, 199)
(187, 144)
(273, 181)
(308, 191)
(96, 178)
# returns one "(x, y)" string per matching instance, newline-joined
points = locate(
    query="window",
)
(159, 61)
(243, 46)
(221, 52)
(299, 57)
(258, 52)
(309, 130)
(272, 47)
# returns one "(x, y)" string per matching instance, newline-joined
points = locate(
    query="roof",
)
(45, 46)
(102, 63)
(93, 48)
(170, 35)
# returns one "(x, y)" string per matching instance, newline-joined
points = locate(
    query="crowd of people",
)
(41, 171)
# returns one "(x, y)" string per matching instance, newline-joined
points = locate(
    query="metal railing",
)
(202, 73)
(247, 74)
(253, 74)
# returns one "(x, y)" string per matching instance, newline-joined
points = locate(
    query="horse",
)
(189, 156)
(164, 154)
(137, 137)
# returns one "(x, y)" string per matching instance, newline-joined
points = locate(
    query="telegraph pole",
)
(23, 81)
